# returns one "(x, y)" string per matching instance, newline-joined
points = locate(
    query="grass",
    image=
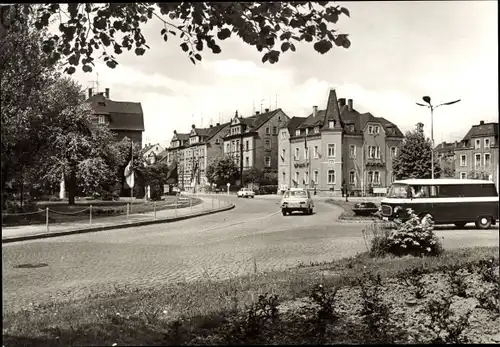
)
(80, 210)
(211, 312)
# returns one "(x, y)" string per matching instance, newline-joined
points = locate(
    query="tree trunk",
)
(71, 188)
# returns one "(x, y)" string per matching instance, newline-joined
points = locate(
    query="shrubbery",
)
(414, 237)
(272, 189)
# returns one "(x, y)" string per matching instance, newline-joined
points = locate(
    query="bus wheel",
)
(460, 225)
(483, 222)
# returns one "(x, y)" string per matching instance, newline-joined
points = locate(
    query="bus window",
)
(434, 191)
(451, 191)
(398, 191)
(420, 192)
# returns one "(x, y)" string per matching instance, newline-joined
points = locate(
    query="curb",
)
(115, 226)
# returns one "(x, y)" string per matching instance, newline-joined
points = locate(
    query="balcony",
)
(371, 162)
(301, 164)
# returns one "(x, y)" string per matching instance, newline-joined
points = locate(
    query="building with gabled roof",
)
(337, 147)
(477, 154)
(123, 118)
(253, 141)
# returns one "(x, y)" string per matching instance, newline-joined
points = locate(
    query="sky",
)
(400, 51)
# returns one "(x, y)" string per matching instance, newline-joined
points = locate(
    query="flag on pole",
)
(173, 175)
(129, 172)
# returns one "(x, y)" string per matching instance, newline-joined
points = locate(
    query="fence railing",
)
(182, 206)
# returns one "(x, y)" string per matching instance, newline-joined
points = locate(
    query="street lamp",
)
(427, 99)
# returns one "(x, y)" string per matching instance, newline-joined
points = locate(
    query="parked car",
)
(246, 193)
(297, 199)
(365, 208)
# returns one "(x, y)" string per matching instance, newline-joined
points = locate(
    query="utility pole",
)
(241, 160)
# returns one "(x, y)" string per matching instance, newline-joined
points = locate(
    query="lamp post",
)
(427, 99)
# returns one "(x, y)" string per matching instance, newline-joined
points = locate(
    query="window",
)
(463, 175)
(331, 124)
(393, 177)
(376, 177)
(352, 151)
(487, 160)
(228, 148)
(237, 145)
(268, 131)
(316, 130)
(267, 143)
(307, 131)
(296, 177)
(486, 143)
(275, 130)
(247, 161)
(370, 129)
(306, 153)
(478, 144)
(315, 152)
(352, 177)
(463, 160)
(394, 152)
(101, 119)
(247, 145)
(331, 176)
(296, 156)
(376, 129)
(267, 161)
(374, 152)
(315, 177)
(306, 177)
(283, 152)
(477, 160)
(297, 132)
(217, 141)
(283, 134)
(370, 177)
(283, 177)
(331, 150)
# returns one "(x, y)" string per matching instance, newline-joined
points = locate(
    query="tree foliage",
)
(156, 176)
(478, 175)
(413, 158)
(222, 170)
(84, 29)
(448, 167)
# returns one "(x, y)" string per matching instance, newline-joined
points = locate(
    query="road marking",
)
(243, 222)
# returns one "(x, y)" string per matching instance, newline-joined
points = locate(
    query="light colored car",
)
(246, 193)
(297, 199)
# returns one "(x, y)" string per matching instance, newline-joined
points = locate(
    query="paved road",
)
(215, 246)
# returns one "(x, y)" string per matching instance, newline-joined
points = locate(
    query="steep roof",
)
(262, 118)
(215, 130)
(123, 115)
(446, 147)
(183, 136)
(482, 130)
(332, 111)
(294, 123)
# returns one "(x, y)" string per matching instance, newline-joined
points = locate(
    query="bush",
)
(272, 189)
(414, 237)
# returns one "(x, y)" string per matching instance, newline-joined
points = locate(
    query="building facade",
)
(477, 154)
(193, 151)
(123, 118)
(253, 141)
(338, 146)
(152, 152)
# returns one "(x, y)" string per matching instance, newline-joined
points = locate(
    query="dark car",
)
(365, 208)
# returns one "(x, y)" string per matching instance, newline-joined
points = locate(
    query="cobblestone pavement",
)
(213, 246)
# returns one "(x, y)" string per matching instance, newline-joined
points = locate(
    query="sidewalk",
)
(209, 205)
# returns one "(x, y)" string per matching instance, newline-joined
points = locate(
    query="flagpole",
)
(131, 168)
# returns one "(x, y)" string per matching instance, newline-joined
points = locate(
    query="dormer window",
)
(331, 123)
(351, 127)
(297, 132)
(217, 141)
(101, 103)
(307, 131)
(316, 130)
(235, 130)
(101, 119)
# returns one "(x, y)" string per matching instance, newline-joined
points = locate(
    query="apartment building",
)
(335, 146)
(193, 151)
(477, 153)
(253, 141)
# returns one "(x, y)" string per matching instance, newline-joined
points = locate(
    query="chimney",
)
(267, 110)
(481, 122)
(217, 124)
(90, 93)
(257, 113)
(341, 102)
(349, 104)
(107, 93)
(315, 111)
(192, 126)
(210, 125)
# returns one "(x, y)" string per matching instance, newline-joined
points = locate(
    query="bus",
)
(448, 201)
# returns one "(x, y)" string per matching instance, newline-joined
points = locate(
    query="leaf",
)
(70, 70)
(285, 46)
(265, 57)
(184, 46)
(165, 37)
(192, 60)
(323, 46)
(111, 64)
(199, 45)
(139, 51)
(216, 49)
(224, 34)
(87, 68)
(197, 57)
(163, 31)
(292, 47)
(345, 11)
(274, 56)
